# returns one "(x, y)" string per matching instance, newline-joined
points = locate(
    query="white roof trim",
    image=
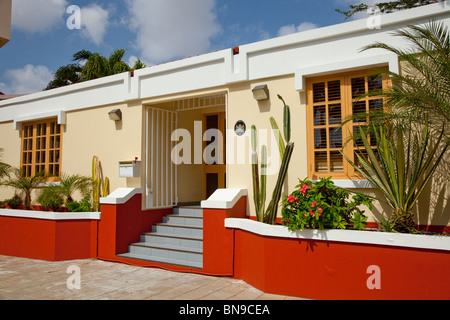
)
(345, 66)
(60, 114)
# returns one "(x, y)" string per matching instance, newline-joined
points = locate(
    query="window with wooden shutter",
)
(41, 148)
(330, 101)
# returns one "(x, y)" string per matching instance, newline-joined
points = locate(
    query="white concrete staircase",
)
(178, 240)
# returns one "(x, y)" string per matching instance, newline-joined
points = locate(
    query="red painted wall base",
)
(50, 240)
(333, 270)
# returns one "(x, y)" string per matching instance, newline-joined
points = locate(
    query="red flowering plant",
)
(322, 205)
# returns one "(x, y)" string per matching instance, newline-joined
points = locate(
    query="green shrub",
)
(51, 199)
(83, 206)
(14, 203)
(322, 205)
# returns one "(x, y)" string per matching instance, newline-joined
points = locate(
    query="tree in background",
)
(387, 7)
(4, 168)
(89, 66)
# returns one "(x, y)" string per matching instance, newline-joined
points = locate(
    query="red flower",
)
(314, 204)
(304, 188)
(320, 210)
(292, 198)
(311, 213)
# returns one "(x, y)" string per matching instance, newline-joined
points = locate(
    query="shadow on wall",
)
(434, 203)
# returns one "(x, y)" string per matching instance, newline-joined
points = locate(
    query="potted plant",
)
(322, 205)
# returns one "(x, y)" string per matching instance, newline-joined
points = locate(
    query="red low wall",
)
(123, 224)
(218, 241)
(333, 270)
(51, 240)
(305, 265)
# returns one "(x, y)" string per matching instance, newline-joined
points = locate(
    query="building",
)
(148, 117)
(5, 21)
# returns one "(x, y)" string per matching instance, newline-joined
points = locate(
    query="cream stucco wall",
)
(242, 106)
(10, 142)
(5, 21)
(87, 133)
(90, 132)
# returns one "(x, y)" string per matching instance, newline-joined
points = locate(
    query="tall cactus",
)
(100, 188)
(286, 147)
(259, 184)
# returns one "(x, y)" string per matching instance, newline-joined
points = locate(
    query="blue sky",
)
(153, 30)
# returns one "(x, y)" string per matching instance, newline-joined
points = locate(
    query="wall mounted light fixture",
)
(261, 93)
(115, 115)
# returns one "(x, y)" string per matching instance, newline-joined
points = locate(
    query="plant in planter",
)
(69, 184)
(4, 168)
(83, 206)
(13, 203)
(402, 166)
(100, 187)
(322, 205)
(25, 184)
(51, 199)
(286, 148)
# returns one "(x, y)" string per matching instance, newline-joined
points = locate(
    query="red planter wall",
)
(218, 241)
(123, 224)
(332, 270)
(51, 240)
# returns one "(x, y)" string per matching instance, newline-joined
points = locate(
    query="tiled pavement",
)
(25, 279)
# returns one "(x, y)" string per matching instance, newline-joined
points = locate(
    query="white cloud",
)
(289, 29)
(29, 79)
(37, 15)
(94, 22)
(172, 29)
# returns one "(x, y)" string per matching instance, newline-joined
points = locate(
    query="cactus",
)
(99, 188)
(106, 188)
(286, 147)
(259, 184)
(271, 213)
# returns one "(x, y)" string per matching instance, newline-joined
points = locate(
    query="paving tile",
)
(27, 279)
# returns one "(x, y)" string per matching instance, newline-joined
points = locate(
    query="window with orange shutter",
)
(330, 101)
(41, 148)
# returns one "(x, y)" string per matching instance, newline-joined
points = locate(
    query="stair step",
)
(192, 264)
(167, 247)
(184, 220)
(180, 230)
(178, 240)
(196, 211)
(185, 241)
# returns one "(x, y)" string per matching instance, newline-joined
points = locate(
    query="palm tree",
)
(24, 184)
(4, 168)
(89, 66)
(65, 75)
(422, 90)
(407, 156)
(98, 66)
(387, 6)
(69, 184)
